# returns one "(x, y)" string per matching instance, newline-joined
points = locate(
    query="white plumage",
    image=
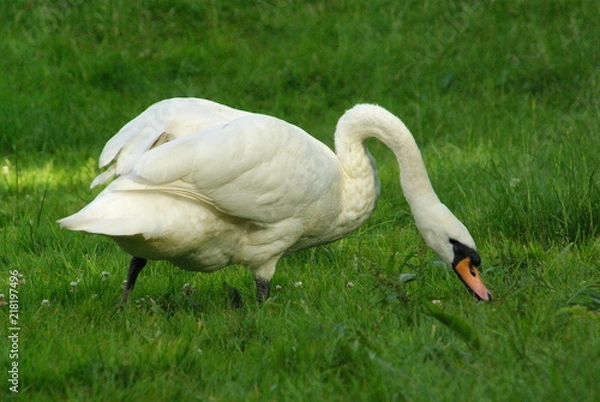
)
(204, 186)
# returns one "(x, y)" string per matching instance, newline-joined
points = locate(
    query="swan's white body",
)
(204, 186)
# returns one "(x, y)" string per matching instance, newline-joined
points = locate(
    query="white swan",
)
(204, 186)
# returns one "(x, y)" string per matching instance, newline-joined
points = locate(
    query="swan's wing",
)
(256, 167)
(160, 123)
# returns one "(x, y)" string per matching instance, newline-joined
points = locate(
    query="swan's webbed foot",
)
(135, 266)
(263, 289)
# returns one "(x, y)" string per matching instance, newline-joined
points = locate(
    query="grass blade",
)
(456, 324)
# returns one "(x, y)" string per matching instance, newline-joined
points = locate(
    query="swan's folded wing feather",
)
(160, 123)
(105, 176)
(255, 167)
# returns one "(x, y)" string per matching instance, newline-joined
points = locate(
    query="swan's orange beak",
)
(470, 276)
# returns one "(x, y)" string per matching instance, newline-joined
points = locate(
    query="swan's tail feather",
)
(80, 222)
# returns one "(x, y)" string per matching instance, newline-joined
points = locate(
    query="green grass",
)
(501, 97)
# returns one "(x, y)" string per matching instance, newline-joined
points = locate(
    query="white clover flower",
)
(187, 289)
(45, 302)
(105, 275)
(350, 285)
(278, 287)
(298, 284)
(74, 286)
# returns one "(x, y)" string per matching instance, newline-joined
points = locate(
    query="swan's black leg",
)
(135, 266)
(263, 289)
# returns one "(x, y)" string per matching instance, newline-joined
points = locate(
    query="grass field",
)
(502, 98)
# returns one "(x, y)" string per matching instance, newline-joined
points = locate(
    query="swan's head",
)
(450, 239)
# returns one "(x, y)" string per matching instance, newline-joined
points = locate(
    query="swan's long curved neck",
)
(366, 121)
